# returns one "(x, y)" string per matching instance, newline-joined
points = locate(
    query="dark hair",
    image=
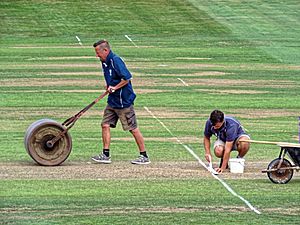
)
(101, 42)
(216, 116)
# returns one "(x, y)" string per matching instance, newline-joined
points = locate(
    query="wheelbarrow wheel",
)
(280, 176)
(36, 138)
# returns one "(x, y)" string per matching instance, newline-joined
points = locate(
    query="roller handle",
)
(71, 121)
(68, 123)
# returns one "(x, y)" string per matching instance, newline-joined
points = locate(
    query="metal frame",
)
(283, 152)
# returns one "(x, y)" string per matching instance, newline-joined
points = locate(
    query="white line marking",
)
(203, 164)
(130, 40)
(210, 167)
(78, 39)
(183, 82)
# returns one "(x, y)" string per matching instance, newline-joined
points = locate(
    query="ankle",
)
(106, 152)
(144, 153)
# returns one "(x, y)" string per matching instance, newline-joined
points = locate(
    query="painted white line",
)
(130, 40)
(203, 164)
(210, 167)
(78, 39)
(183, 82)
(223, 182)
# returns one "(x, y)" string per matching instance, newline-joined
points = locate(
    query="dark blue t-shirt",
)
(115, 70)
(230, 130)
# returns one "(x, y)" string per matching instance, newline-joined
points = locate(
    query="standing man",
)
(120, 103)
(229, 133)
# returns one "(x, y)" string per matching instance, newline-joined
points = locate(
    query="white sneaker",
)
(102, 159)
(141, 160)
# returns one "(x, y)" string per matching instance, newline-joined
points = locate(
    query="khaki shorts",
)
(234, 147)
(126, 116)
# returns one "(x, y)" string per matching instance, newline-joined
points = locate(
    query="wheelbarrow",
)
(281, 170)
(48, 143)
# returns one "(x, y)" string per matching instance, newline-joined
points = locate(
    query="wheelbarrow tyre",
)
(280, 176)
(36, 137)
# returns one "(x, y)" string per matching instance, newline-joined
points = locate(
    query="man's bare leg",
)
(243, 147)
(139, 139)
(106, 136)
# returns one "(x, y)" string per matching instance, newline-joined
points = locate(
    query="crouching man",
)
(229, 133)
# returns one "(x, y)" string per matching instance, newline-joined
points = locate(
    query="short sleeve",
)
(207, 129)
(121, 68)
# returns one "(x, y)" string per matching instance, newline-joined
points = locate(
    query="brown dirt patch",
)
(232, 82)
(26, 213)
(198, 74)
(149, 65)
(285, 211)
(63, 65)
(74, 73)
(160, 112)
(212, 82)
(190, 139)
(265, 113)
(265, 66)
(168, 113)
(46, 82)
(62, 58)
(149, 91)
(192, 58)
(57, 46)
(233, 91)
(137, 91)
(121, 170)
(91, 171)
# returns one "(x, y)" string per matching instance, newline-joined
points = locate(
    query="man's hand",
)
(219, 170)
(111, 89)
(208, 157)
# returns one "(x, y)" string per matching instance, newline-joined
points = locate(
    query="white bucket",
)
(237, 165)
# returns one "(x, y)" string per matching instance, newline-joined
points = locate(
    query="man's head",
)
(102, 49)
(217, 119)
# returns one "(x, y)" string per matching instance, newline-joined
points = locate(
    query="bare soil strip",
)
(265, 113)
(161, 112)
(120, 170)
(192, 58)
(137, 90)
(233, 91)
(146, 82)
(27, 213)
(31, 213)
(62, 58)
(74, 73)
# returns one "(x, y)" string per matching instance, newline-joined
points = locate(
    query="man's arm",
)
(206, 143)
(226, 156)
(112, 89)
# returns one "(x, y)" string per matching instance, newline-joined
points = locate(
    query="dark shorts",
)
(126, 116)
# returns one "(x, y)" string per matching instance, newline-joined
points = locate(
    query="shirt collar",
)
(109, 57)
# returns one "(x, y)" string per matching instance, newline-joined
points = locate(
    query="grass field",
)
(187, 58)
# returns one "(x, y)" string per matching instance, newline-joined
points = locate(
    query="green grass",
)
(249, 49)
(162, 202)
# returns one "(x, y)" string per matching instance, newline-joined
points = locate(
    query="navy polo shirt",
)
(230, 130)
(115, 70)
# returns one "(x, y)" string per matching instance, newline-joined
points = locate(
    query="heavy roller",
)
(48, 142)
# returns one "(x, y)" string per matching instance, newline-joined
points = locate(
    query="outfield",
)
(187, 58)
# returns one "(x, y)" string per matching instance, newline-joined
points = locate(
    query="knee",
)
(244, 146)
(105, 126)
(219, 151)
(134, 131)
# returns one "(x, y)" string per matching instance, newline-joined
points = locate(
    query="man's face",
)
(101, 52)
(218, 125)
